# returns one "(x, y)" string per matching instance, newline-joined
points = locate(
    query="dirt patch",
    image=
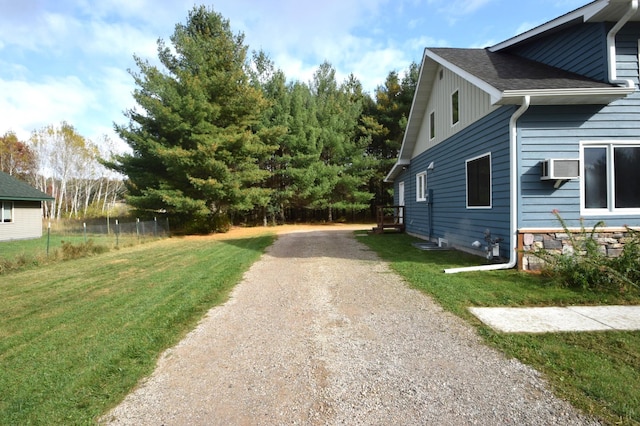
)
(244, 231)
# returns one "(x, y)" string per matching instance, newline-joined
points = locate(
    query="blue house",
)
(500, 138)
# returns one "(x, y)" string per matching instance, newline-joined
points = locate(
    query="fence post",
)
(138, 228)
(117, 232)
(48, 237)
(84, 225)
(155, 227)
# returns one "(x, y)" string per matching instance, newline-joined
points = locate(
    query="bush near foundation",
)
(583, 264)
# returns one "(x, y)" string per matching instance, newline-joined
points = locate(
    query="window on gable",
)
(455, 108)
(432, 125)
(611, 177)
(479, 182)
(421, 186)
(6, 211)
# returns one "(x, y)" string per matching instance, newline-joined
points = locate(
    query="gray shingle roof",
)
(16, 190)
(509, 72)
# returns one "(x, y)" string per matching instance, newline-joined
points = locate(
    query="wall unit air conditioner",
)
(560, 169)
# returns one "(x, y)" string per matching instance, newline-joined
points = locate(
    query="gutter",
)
(513, 146)
(611, 46)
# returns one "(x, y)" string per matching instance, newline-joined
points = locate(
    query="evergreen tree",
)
(385, 122)
(337, 177)
(273, 129)
(195, 150)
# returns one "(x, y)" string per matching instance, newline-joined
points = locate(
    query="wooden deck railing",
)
(389, 217)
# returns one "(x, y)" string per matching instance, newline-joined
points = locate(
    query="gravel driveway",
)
(320, 331)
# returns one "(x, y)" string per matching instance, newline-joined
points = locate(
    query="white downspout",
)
(513, 221)
(611, 46)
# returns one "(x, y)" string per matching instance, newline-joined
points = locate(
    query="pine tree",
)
(385, 123)
(195, 150)
(337, 174)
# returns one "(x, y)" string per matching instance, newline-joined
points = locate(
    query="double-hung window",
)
(6, 211)
(421, 186)
(611, 177)
(479, 182)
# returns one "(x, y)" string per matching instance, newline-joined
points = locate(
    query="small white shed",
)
(20, 209)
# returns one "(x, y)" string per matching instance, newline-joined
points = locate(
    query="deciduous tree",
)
(16, 158)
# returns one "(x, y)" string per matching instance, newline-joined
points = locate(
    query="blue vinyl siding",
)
(556, 132)
(627, 52)
(451, 219)
(581, 49)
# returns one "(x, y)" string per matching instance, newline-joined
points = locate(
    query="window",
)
(479, 182)
(6, 211)
(421, 186)
(611, 177)
(432, 125)
(455, 108)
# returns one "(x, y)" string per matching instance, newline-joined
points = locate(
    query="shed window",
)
(6, 211)
(479, 182)
(611, 177)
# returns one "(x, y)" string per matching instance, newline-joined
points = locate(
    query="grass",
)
(76, 336)
(37, 248)
(599, 372)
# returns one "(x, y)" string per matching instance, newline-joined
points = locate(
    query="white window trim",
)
(611, 210)
(451, 107)
(421, 195)
(466, 180)
(2, 204)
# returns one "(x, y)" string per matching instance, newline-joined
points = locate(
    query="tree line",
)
(220, 135)
(60, 162)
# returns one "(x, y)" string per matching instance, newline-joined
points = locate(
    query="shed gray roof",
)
(505, 71)
(15, 190)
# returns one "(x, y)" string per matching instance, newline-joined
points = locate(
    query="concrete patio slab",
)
(560, 319)
(618, 317)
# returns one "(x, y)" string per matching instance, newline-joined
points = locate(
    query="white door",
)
(401, 201)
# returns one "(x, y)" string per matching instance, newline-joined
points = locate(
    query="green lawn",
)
(76, 336)
(37, 248)
(597, 372)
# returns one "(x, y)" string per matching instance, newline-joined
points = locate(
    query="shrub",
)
(70, 251)
(585, 265)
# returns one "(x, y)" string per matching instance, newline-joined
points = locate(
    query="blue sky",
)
(67, 60)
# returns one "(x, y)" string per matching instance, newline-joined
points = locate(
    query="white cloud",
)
(29, 106)
(119, 40)
(453, 10)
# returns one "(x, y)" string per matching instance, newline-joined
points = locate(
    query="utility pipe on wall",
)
(513, 220)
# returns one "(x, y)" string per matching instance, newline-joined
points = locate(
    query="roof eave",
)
(7, 198)
(594, 96)
(582, 14)
(396, 170)
(483, 85)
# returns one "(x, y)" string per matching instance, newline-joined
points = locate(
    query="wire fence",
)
(112, 233)
(156, 228)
